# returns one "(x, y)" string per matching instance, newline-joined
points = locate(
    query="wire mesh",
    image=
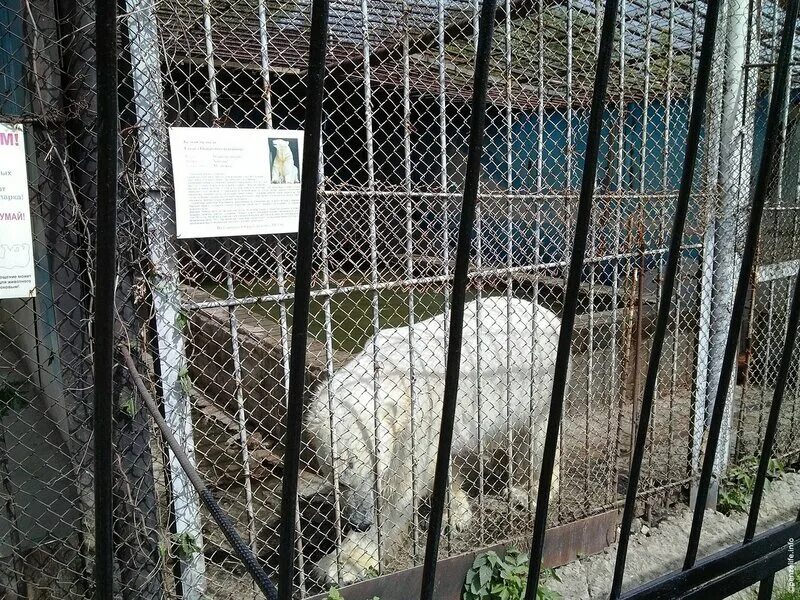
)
(209, 319)
(773, 280)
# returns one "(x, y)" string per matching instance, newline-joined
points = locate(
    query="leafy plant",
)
(181, 320)
(128, 405)
(335, 594)
(185, 545)
(775, 469)
(492, 577)
(186, 381)
(736, 488)
(790, 590)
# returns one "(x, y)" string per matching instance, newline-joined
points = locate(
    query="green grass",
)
(786, 591)
(351, 312)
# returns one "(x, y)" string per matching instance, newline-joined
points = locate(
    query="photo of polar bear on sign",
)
(284, 156)
(382, 450)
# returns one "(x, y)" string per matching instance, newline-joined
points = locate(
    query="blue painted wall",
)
(662, 153)
(659, 170)
(12, 58)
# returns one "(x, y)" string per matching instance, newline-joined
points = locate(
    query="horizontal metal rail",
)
(516, 195)
(408, 283)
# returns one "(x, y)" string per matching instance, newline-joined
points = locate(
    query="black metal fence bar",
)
(774, 411)
(772, 139)
(105, 286)
(667, 286)
(714, 567)
(460, 279)
(571, 296)
(315, 82)
(765, 589)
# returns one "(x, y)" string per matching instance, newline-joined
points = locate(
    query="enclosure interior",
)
(210, 319)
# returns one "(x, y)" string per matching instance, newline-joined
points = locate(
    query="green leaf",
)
(185, 381)
(186, 545)
(485, 575)
(334, 594)
(128, 406)
(180, 321)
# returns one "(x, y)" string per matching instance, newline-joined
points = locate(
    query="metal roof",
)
(660, 44)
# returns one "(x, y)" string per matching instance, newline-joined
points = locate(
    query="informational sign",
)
(235, 181)
(16, 241)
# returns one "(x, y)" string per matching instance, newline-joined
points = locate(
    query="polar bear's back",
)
(492, 328)
(507, 359)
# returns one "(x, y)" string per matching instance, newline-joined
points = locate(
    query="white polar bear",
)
(372, 398)
(283, 168)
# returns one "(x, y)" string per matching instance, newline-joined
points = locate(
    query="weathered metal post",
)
(152, 137)
(733, 179)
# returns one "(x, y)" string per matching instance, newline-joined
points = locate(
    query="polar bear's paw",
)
(358, 560)
(519, 497)
(460, 510)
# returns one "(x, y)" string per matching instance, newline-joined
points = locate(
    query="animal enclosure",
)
(210, 319)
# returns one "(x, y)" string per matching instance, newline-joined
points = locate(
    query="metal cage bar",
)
(409, 264)
(667, 286)
(315, 81)
(205, 80)
(765, 588)
(373, 261)
(329, 369)
(105, 277)
(774, 123)
(571, 296)
(460, 279)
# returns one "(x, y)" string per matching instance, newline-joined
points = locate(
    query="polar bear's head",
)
(282, 150)
(353, 459)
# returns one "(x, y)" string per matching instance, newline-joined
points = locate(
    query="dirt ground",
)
(656, 551)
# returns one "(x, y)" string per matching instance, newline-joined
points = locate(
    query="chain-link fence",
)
(209, 319)
(778, 256)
